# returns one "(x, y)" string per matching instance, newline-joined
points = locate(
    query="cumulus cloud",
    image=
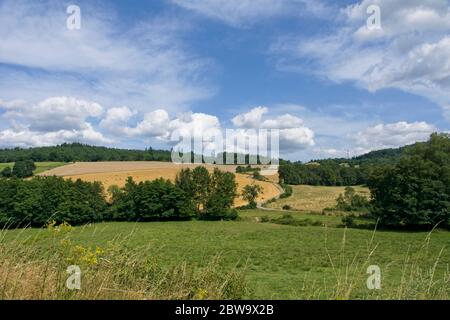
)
(158, 124)
(251, 119)
(154, 124)
(392, 135)
(294, 135)
(207, 128)
(24, 137)
(51, 121)
(56, 113)
(411, 52)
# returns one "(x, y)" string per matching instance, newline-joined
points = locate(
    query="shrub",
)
(247, 169)
(257, 176)
(350, 201)
(6, 173)
(287, 207)
(23, 169)
(287, 191)
(289, 220)
(250, 193)
(220, 214)
(348, 222)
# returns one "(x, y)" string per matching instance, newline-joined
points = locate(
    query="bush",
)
(257, 176)
(289, 220)
(287, 207)
(287, 191)
(23, 169)
(348, 222)
(6, 173)
(220, 214)
(247, 169)
(350, 201)
(250, 193)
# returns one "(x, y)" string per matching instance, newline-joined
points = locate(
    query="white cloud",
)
(27, 138)
(411, 52)
(251, 119)
(392, 135)
(241, 13)
(116, 119)
(294, 135)
(158, 124)
(53, 114)
(51, 121)
(146, 64)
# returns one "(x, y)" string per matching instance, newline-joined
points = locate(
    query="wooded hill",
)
(81, 153)
(341, 171)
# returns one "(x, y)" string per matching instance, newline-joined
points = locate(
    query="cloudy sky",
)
(138, 70)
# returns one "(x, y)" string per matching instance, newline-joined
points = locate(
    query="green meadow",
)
(275, 261)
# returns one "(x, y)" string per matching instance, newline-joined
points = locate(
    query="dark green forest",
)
(81, 152)
(416, 190)
(340, 171)
(326, 174)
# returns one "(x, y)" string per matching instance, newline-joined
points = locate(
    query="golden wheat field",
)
(314, 198)
(116, 173)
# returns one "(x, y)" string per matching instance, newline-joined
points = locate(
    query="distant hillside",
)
(339, 171)
(378, 157)
(71, 152)
(381, 156)
(81, 152)
(77, 152)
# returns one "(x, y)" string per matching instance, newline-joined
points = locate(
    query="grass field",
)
(244, 259)
(116, 173)
(314, 199)
(278, 262)
(40, 166)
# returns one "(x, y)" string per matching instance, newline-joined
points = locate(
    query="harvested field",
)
(116, 173)
(314, 198)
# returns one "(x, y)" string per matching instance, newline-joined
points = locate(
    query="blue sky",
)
(138, 70)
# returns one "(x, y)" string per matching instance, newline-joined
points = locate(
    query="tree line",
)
(77, 152)
(325, 174)
(195, 194)
(83, 153)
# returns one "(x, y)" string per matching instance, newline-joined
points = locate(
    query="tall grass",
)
(420, 279)
(34, 267)
(113, 272)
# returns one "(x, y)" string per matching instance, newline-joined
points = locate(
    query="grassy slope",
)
(279, 258)
(40, 166)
